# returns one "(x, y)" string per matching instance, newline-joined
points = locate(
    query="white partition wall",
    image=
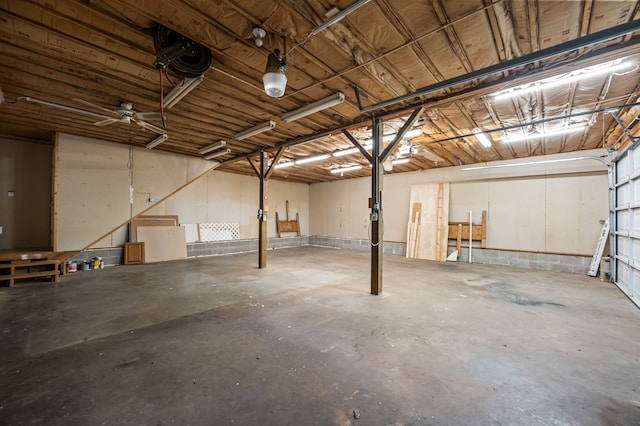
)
(626, 223)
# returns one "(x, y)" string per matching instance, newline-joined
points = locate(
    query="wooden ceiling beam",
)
(456, 45)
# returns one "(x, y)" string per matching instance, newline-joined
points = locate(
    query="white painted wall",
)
(93, 192)
(553, 207)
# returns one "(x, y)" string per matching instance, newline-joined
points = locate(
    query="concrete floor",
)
(216, 341)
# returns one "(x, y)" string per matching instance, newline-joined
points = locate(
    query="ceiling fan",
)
(124, 114)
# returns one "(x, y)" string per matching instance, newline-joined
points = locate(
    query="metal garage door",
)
(625, 199)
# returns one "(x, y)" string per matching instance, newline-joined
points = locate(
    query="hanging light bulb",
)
(274, 79)
(258, 34)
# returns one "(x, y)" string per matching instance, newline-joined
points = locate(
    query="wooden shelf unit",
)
(12, 270)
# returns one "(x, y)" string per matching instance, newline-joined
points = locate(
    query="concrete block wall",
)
(115, 255)
(216, 248)
(111, 256)
(389, 247)
(542, 261)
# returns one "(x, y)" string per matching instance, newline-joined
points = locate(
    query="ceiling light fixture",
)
(344, 152)
(528, 163)
(212, 147)
(285, 164)
(325, 103)
(157, 141)
(217, 154)
(520, 138)
(346, 169)
(388, 138)
(267, 125)
(401, 161)
(274, 80)
(338, 16)
(413, 133)
(181, 90)
(572, 76)
(482, 137)
(312, 159)
(259, 34)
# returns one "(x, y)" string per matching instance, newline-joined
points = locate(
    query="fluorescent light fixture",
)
(338, 16)
(572, 76)
(388, 138)
(285, 164)
(347, 151)
(346, 169)
(413, 133)
(401, 161)
(157, 141)
(541, 135)
(181, 90)
(267, 125)
(212, 147)
(312, 159)
(217, 154)
(482, 137)
(325, 103)
(528, 163)
(385, 138)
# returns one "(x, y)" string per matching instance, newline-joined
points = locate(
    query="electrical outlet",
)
(0, 229)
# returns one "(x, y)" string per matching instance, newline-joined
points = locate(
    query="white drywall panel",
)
(190, 204)
(516, 216)
(93, 187)
(297, 194)
(529, 207)
(318, 209)
(468, 196)
(93, 190)
(233, 198)
(574, 209)
(343, 208)
(395, 194)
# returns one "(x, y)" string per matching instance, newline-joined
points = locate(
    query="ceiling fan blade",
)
(63, 107)
(148, 126)
(107, 121)
(148, 116)
(112, 112)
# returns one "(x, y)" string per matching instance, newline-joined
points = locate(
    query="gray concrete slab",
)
(216, 341)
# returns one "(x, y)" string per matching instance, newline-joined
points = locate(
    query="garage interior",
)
(351, 212)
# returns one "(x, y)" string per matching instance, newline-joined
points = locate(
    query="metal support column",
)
(376, 209)
(262, 215)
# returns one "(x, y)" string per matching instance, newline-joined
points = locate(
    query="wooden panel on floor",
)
(133, 253)
(163, 243)
(431, 229)
(413, 229)
(150, 220)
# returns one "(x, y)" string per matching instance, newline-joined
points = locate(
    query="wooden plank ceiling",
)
(102, 51)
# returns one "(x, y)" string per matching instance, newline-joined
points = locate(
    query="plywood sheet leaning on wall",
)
(429, 215)
(150, 220)
(163, 243)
